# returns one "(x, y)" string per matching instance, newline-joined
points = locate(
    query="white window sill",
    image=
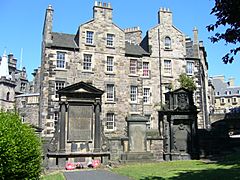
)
(133, 75)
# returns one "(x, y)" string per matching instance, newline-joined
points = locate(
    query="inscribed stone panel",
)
(80, 123)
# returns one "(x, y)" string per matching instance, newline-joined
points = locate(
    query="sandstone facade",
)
(133, 72)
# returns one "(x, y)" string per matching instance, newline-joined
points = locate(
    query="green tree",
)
(187, 82)
(228, 15)
(20, 149)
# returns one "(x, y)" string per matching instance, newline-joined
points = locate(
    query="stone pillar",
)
(97, 132)
(62, 125)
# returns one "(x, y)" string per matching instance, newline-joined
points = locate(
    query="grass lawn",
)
(228, 168)
(53, 176)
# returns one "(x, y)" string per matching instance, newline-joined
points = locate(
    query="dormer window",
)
(167, 43)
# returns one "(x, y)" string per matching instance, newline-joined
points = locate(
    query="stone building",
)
(178, 54)
(134, 73)
(227, 94)
(12, 81)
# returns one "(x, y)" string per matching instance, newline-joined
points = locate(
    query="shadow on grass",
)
(229, 168)
(211, 174)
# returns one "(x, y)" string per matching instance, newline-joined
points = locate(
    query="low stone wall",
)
(119, 146)
(155, 146)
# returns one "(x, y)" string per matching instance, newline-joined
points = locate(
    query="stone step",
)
(137, 156)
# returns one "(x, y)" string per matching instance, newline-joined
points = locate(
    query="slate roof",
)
(63, 40)
(135, 50)
(222, 87)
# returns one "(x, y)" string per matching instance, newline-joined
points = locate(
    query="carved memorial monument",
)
(78, 131)
(179, 121)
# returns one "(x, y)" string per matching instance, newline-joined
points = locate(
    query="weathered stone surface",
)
(80, 123)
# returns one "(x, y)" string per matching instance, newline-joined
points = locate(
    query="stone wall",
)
(101, 25)
(28, 108)
(7, 94)
(133, 35)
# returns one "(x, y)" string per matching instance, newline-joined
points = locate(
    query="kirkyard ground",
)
(225, 167)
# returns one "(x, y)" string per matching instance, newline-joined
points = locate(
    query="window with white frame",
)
(87, 62)
(110, 40)
(109, 64)
(60, 60)
(58, 85)
(110, 121)
(146, 95)
(168, 67)
(133, 94)
(133, 66)
(167, 43)
(189, 69)
(110, 92)
(146, 69)
(89, 37)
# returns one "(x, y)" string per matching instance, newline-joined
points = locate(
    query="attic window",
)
(167, 42)
(89, 37)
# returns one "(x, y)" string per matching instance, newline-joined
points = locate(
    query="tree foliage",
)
(187, 82)
(20, 149)
(228, 15)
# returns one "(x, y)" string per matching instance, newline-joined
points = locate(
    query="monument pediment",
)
(181, 90)
(80, 88)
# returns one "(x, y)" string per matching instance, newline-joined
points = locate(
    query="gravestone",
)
(78, 133)
(137, 133)
(137, 140)
(179, 120)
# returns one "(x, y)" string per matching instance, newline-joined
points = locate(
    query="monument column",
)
(63, 110)
(97, 132)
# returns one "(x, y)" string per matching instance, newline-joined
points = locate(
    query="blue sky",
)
(22, 24)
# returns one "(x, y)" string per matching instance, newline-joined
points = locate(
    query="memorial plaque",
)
(80, 123)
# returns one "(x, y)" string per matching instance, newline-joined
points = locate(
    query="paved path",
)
(93, 175)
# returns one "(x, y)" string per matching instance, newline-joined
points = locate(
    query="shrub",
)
(20, 149)
(187, 82)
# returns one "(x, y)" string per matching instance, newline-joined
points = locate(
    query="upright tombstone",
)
(179, 120)
(137, 133)
(78, 133)
(137, 140)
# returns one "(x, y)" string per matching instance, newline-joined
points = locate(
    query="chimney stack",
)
(165, 16)
(102, 11)
(195, 43)
(47, 29)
